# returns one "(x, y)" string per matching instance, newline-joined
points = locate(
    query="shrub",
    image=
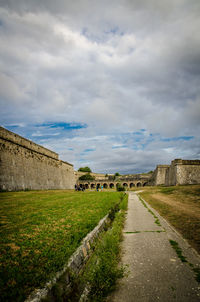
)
(85, 169)
(120, 188)
(86, 177)
(117, 174)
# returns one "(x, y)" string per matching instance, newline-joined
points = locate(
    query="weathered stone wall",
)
(186, 172)
(132, 180)
(26, 165)
(95, 175)
(171, 175)
(112, 184)
(180, 172)
(159, 175)
(21, 141)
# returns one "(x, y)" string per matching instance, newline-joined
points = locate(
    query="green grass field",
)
(39, 232)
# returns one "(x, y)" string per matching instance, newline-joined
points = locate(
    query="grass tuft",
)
(178, 250)
(197, 273)
(157, 221)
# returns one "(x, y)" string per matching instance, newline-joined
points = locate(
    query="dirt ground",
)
(185, 207)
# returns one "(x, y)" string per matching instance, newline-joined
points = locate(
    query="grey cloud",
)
(117, 68)
(9, 90)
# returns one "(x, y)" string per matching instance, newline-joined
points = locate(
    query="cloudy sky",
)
(114, 85)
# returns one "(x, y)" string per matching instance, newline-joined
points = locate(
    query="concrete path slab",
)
(155, 271)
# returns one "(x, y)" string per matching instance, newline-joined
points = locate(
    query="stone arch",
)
(86, 186)
(105, 185)
(132, 185)
(125, 184)
(80, 185)
(111, 185)
(139, 184)
(98, 185)
(92, 186)
(145, 184)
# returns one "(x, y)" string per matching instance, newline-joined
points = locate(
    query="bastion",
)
(180, 172)
(27, 165)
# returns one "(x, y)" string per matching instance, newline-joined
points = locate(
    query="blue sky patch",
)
(12, 127)
(62, 125)
(46, 131)
(113, 30)
(174, 139)
(119, 147)
(89, 150)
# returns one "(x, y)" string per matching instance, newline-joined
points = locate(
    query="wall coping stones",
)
(163, 166)
(186, 162)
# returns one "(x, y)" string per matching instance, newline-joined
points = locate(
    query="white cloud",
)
(117, 68)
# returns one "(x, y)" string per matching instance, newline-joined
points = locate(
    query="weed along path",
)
(162, 266)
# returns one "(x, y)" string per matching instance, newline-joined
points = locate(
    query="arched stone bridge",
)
(109, 184)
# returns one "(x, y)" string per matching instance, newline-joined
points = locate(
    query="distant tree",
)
(86, 177)
(106, 175)
(84, 169)
(117, 174)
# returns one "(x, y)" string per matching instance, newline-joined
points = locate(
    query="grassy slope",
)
(39, 232)
(103, 269)
(180, 205)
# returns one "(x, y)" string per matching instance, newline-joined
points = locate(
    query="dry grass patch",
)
(180, 205)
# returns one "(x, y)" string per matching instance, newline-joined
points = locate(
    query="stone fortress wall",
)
(129, 181)
(180, 172)
(26, 165)
(97, 176)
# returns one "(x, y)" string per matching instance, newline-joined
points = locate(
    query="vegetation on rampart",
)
(180, 205)
(39, 232)
(87, 176)
(84, 169)
(117, 174)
